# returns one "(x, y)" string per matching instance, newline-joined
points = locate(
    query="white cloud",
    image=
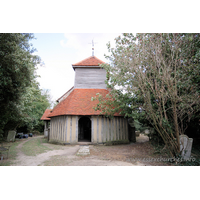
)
(82, 43)
(57, 75)
(73, 41)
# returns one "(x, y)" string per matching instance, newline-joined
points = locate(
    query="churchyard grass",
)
(37, 146)
(11, 155)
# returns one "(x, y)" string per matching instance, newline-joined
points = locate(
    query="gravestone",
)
(185, 146)
(11, 136)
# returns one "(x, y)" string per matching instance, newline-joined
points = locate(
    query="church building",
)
(74, 119)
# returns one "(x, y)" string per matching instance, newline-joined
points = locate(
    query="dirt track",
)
(100, 155)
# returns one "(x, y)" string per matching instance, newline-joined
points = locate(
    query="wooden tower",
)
(74, 119)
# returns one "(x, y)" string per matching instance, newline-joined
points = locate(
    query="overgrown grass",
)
(11, 155)
(33, 147)
(37, 146)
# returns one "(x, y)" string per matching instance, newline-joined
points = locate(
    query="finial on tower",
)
(92, 47)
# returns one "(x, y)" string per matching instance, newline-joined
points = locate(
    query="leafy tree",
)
(17, 66)
(155, 76)
(33, 105)
(194, 57)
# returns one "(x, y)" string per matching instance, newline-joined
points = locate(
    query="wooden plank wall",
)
(64, 129)
(90, 78)
(105, 129)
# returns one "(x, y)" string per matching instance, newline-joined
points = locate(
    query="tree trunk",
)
(176, 128)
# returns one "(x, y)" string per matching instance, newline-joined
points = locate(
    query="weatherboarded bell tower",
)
(74, 120)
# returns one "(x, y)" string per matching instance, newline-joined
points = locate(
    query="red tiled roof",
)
(79, 103)
(91, 61)
(65, 95)
(46, 113)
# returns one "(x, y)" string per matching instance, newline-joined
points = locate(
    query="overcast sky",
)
(59, 51)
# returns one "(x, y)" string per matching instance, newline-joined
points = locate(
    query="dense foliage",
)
(22, 103)
(154, 78)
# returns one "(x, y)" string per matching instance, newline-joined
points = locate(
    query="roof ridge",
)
(61, 102)
(79, 63)
(65, 94)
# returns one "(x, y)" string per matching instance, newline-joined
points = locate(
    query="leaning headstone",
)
(11, 136)
(185, 146)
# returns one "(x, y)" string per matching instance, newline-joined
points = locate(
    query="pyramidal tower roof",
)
(91, 61)
(88, 82)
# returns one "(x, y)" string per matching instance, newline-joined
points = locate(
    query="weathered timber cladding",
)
(73, 129)
(105, 129)
(90, 78)
(64, 129)
(94, 122)
(46, 128)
